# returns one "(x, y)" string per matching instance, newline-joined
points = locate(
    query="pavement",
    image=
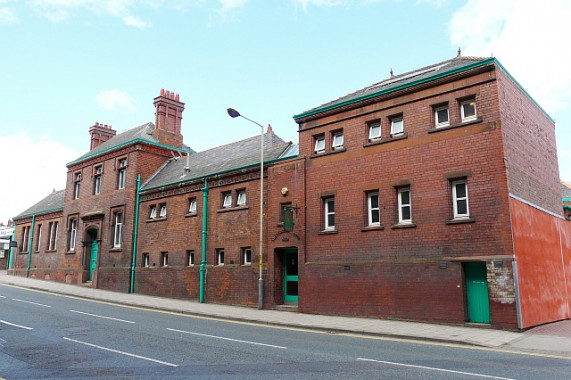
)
(551, 339)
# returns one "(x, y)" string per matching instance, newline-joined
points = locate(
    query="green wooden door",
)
(477, 292)
(93, 255)
(290, 275)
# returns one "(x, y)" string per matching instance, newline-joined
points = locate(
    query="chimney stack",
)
(100, 133)
(168, 118)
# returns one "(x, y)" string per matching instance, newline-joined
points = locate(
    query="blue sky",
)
(67, 64)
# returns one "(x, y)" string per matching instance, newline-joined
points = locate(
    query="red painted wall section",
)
(541, 246)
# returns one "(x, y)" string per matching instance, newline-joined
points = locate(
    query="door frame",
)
(287, 252)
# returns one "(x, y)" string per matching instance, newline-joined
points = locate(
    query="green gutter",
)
(30, 245)
(204, 233)
(138, 140)
(135, 235)
(37, 213)
(417, 82)
(219, 173)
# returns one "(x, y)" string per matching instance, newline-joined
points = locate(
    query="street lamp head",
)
(233, 113)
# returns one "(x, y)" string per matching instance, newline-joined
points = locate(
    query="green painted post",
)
(10, 258)
(204, 233)
(31, 239)
(135, 234)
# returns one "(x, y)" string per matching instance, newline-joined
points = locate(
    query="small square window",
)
(219, 257)
(375, 131)
(441, 116)
(227, 200)
(320, 144)
(190, 258)
(337, 142)
(241, 201)
(397, 126)
(247, 256)
(163, 211)
(152, 211)
(192, 205)
(468, 110)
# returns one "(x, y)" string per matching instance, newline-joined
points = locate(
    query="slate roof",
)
(52, 202)
(399, 81)
(566, 190)
(222, 159)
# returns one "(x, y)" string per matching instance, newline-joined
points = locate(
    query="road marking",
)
(435, 369)
(101, 316)
(121, 352)
(2, 297)
(15, 325)
(230, 339)
(30, 302)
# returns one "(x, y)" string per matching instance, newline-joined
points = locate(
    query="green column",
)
(135, 234)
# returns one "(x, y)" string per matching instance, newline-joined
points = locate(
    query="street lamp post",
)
(234, 113)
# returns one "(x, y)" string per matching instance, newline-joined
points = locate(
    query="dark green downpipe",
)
(204, 233)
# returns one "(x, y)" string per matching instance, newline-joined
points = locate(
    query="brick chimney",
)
(168, 118)
(100, 133)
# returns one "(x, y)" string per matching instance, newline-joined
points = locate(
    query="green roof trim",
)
(37, 213)
(138, 140)
(217, 173)
(566, 199)
(421, 81)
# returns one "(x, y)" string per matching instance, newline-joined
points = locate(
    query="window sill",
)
(460, 220)
(456, 125)
(403, 225)
(70, 252)
(190, 214)
(373, 228)
(384, 140)
(230, 209)
(159, 219)
(116, 249)
(327, 232)
(328, 152)
(23, 253)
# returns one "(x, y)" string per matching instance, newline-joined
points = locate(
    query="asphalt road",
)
(48, 336)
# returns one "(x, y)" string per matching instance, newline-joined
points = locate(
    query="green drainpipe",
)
(135, 234)
(11, 255)
(31, 239)
(204, 233)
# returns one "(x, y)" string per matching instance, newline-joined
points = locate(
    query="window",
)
(164, 259)
(319, 144)
(373, 210)
(227, 200)
(241, 201)
(52, 236)
(468, 110)
(247, 256)
(374, 131)
(146, 260)
(118, 230)
(25, 238)
(152, 211)
(39, 239)
(122, 173)
(72, 233)
(97, 180)
(219, 257)
(190, 258)
(76, 185)
(460, 199)
(163, 210)
(441, 116)
(404, 205)
(329, 208)
(337, 142)
(192, 205)
(397, 126)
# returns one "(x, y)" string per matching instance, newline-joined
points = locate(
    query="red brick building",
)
(433, 196)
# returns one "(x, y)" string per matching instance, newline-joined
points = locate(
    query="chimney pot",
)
(162, 92)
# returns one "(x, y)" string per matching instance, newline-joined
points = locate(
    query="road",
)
(48, 336)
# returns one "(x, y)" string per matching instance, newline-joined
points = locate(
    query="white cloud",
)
(112, 99)
(319, 3)
(136, 22)
(7, 16)
(36, 168)
(62, 7)
(527, 37)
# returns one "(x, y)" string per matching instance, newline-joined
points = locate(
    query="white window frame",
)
(246, 260)
(371, 209)
(327, 203)
(39, 242)
(163, 210)
(471, 117)
(192, 205)
(337, 140)
(456, 199)
(146, 260)
(190, 258)
(372, 127)
(227, 202)
(397, 126)
(118, 230)
(220, 257)
(402, 205)
(153, 212)
(319, 144)
(122, 174)
(241, 200)
(72, 234)
(98, 180)
(52, 238)
(437, 122)
(164, 259)
(25, 238)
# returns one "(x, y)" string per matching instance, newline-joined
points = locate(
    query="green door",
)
(290, 275)
(93, 254)
(477, 292)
